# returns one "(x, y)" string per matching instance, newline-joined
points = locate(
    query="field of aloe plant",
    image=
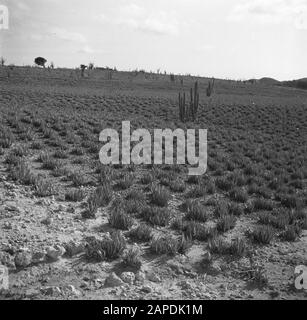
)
(76, 229)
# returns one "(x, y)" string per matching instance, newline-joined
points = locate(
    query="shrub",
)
(105, 174)
(221, 209)
(196, 212)
(126, 182)
(136, 195)
(132, 258)
(236, 209)
(184, 244)
(197, 191)
(226, 223)
(238, 195)
(262, 234)
(193, 180)
(146, 178)
(217, 245)
(238, 247)
(120, 220)
(177, 223)
(141, 233)
(22, 173)
(197, 231)
(78, 179)
(108, 248)
(44, 188)
(19, 151)
(37, 145)
(75, 195)
(60, 154)
(223, 183)
(290, 201)
(177, 185)
(291, 233)
(48, 162)
(262, 204)
(100, 197)
(103, 195)
(156, 216)
(77, 151)
(210, 187)
(159, 196)
(164, 245)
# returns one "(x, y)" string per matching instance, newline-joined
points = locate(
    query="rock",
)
(176, 266)
(39, 256)
(55, 252)
(7, 225)
(70, 289)
(146, 289)
(12, 208)
(185, 285)
(153, 277)
(128, 277)
(113, 281)
(73, 248)
(140, 276)
(47, 221)
(7, 260)
(51, 291)
(31, 293)
(23, 259)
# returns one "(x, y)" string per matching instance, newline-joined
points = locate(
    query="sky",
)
(237, 39)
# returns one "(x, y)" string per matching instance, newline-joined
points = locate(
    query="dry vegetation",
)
(236, 232)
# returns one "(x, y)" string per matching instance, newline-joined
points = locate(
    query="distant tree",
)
(2, 62)
(51, 65)
(40, 61)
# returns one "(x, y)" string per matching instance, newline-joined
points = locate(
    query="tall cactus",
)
(188, 112)
(182, 107)
(194, 101)
(210, 87)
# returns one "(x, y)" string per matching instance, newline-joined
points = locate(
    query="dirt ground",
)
(239, 118)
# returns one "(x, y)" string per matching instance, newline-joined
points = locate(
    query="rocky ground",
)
(41, 244)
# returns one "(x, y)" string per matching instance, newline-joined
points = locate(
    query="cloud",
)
(138, 18)
(292, 12)
(86, 49)
(66, 35)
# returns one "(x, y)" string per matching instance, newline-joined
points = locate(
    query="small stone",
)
(128, 277)
(73, 248)
(31, 293)
(38, 256)
(140, 276)
(55, 252)
(70, 289)
(146, 289)
(23, 259)
(47, 221)
(50, 291)
(153, 277)
(7, 260)
(7, 225)
(113, 281)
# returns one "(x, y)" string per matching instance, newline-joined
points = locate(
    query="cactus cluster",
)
(188, 112)
(210, 87)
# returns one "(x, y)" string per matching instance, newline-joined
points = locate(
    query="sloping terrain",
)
(72, 228)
